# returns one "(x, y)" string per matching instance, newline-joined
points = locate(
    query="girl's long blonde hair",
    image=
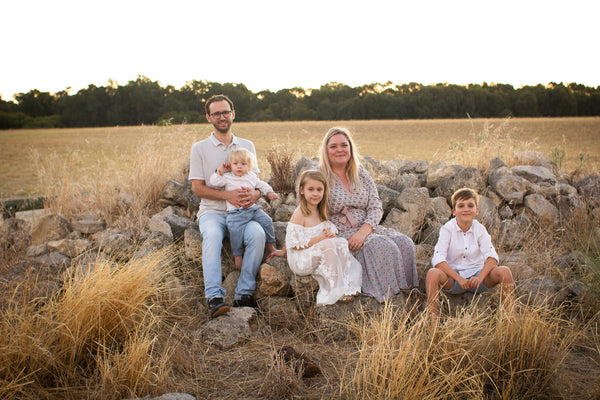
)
(353, 164)
(322, 207)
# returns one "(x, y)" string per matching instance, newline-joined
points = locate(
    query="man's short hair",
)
(465, 194)
(217, 97)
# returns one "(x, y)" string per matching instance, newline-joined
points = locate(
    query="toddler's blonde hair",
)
(244, 155)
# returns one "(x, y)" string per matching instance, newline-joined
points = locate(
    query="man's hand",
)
(463, 283)
(474, 282)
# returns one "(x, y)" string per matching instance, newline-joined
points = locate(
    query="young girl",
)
(313, 247)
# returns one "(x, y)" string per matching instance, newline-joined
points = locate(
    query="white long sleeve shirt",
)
(465, 252)
(229, 181)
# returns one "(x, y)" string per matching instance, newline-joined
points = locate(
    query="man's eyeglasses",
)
(218, 114)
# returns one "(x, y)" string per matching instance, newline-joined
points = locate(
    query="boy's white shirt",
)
(230, 181)
(465, 252)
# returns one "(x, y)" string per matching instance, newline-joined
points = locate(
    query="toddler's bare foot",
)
(238, 261)
(276, 253)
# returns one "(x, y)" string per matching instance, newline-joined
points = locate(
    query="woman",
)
(387, 256)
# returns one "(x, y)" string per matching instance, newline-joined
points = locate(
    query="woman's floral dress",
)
(329, 261)
(388, 257)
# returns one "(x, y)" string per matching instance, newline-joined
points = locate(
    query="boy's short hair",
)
(465, 194)
(242, 154)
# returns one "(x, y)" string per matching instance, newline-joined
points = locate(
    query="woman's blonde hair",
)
(322, 207)
(244, 155)
(353, 164)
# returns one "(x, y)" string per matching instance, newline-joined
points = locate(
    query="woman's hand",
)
(356, 241)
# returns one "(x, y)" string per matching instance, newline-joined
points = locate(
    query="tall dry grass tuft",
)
(104, 331)
(478, 354)
(282, 160)
(501, 141)
(123, 192)
(282, 380)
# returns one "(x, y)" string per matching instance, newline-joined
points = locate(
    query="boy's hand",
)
(474, 282)
(223, 168)
(463, 283)
(272, 196)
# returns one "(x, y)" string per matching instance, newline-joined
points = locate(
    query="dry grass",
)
(282, 160)
(478, 354)
(112, 152)
(104, 336)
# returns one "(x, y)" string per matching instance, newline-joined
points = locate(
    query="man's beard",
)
(222, 130)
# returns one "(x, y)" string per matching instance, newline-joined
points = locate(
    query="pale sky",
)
(53, 45)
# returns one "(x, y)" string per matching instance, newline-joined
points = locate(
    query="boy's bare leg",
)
(238, 262)
(503, 276)
(273, 252)
(433, 283)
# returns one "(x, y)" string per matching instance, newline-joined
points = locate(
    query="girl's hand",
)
(328, 234)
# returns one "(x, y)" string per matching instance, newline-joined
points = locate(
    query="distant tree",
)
(36, 104)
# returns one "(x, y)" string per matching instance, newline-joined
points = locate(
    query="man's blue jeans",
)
(213, 229)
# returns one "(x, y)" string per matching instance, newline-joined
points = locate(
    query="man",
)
(207, 155)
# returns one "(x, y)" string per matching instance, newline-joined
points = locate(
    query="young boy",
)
(464, 258)
(240, 163)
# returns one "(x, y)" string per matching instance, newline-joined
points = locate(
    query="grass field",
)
(111, 153)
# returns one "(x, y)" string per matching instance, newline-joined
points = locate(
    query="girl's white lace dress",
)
(329, 261)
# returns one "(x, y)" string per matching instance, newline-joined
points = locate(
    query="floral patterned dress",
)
(388, 257)
(329, 261)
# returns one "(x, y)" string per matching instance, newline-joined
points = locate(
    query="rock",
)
(155, 242)
(36, 250)
(192, 244)
(69, 248)
(302, 165)
(539, 291)
(388, 198)
(157, 224)
(513, 232)
(488, 213)
(273, 281)
(439, 210)
(545, 211)
(438, 172)
(535, 174)
(280, 231)
(117, 244)
(53, 260)
(495, 163)
(88, 226)
(230, 283)
(505, 213)
(511, 189)
(175, 193)
(178, 225)
(283, 212)
(49, 227)
(589, 189)
(401, 182)
(230, 329)
(467, 177)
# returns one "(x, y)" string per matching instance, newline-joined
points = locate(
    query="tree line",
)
(143, 101)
